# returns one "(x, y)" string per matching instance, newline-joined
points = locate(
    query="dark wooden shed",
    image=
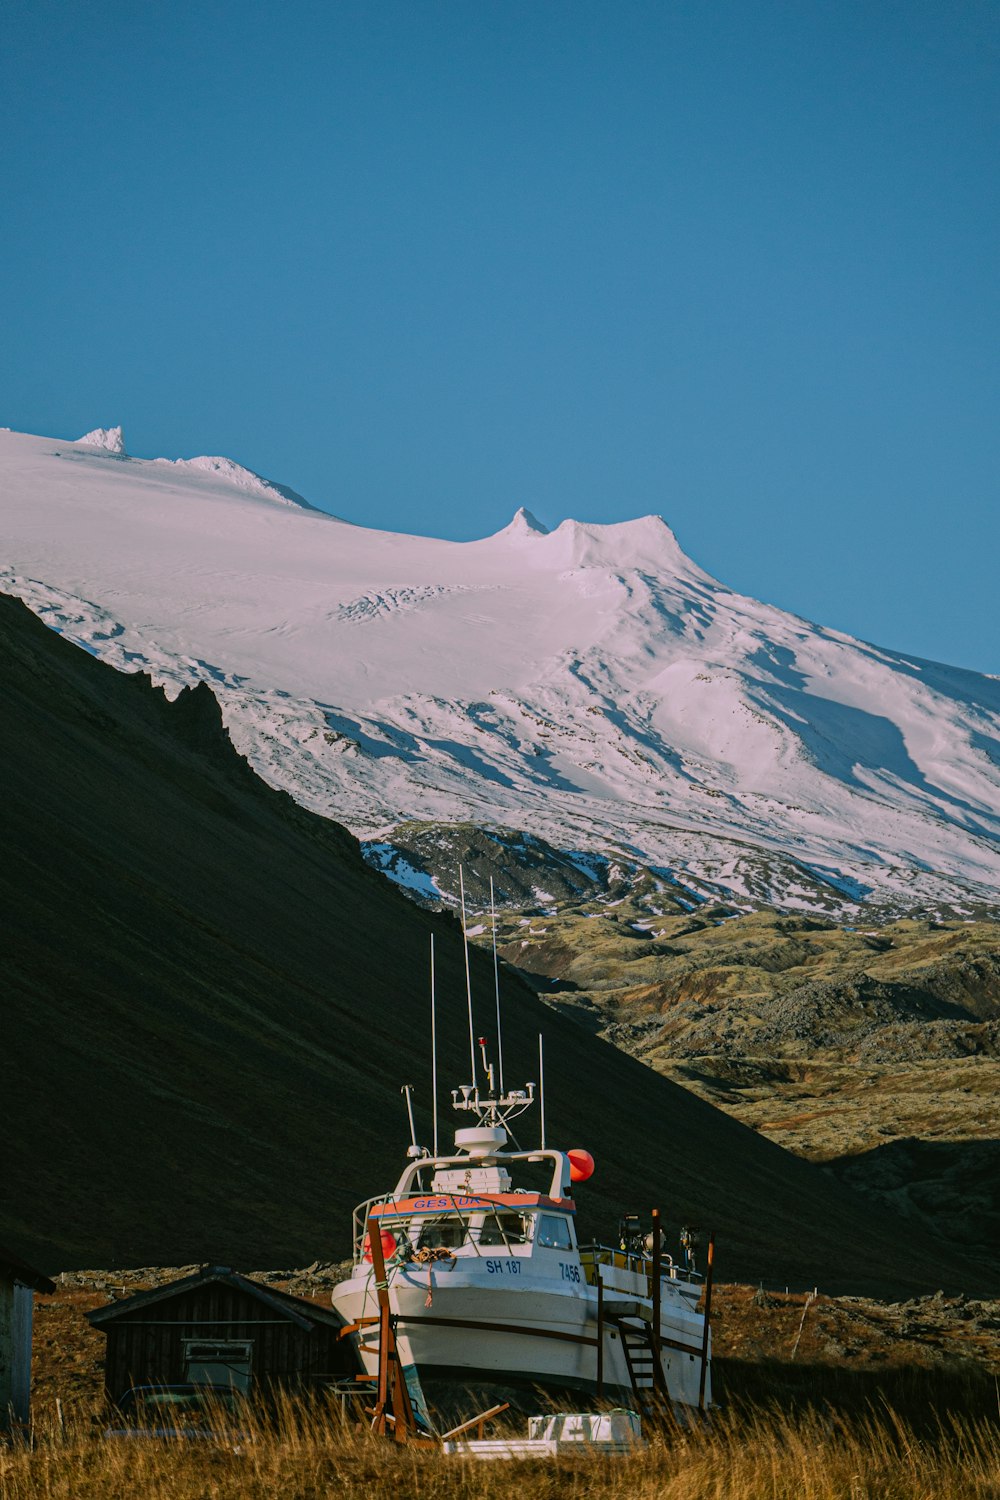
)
(18, 1284)
(220, 1328)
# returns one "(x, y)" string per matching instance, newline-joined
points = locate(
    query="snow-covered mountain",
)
(591, 685)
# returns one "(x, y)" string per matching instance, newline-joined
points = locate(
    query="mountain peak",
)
(645, 543)
(111, 439)
(523, 525)
(529, 522)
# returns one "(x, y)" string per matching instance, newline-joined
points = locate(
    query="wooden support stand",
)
(393, 1413)
(393, 1408)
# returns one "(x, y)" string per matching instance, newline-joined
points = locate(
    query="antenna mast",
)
(468, 976)
(496, 984)
(434, 1053)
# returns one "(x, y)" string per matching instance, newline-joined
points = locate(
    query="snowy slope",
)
(592, 685)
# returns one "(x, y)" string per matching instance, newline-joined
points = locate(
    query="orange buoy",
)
(388, 1245)
(581, 1164)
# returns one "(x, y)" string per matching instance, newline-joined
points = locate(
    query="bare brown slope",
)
(211, 1003)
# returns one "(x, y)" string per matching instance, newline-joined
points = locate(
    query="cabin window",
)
(554, 1232)
(218, 1363)
(500, 1229)
(442, 1234)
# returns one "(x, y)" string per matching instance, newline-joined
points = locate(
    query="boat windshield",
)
(504, 1229)
(453, 1229)
(554, 1232)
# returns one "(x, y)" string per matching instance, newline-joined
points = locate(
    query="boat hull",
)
(460, 1322)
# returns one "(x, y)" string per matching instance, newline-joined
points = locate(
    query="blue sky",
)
(734, 263)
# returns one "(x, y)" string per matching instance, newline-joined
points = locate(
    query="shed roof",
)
(19, 1269)
(296, 1309)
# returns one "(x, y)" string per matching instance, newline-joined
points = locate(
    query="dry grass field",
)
(309, 1453)
(820, 1399)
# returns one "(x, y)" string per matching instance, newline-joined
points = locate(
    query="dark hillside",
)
(211, 1003)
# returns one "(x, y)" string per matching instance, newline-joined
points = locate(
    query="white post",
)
(468, 979)
(434, 1053)
(541, 1085)
(496, 985)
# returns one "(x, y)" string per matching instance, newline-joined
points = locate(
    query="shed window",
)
(553, 1232)
(215, 1363)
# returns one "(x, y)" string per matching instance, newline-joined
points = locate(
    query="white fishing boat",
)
(487, 1281)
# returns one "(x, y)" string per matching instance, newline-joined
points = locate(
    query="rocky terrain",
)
(872, 1050)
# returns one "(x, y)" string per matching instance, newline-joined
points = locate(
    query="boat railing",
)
(360, 1224)
(640, 1263)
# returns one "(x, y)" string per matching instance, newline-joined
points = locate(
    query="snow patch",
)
(591, 865)
(387, 859)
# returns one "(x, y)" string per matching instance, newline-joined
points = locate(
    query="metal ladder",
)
(640, 1359)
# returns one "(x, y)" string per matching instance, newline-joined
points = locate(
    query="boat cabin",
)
(470, 1205)
(464, 1224)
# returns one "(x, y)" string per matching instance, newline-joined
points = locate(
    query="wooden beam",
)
(485, 1416)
